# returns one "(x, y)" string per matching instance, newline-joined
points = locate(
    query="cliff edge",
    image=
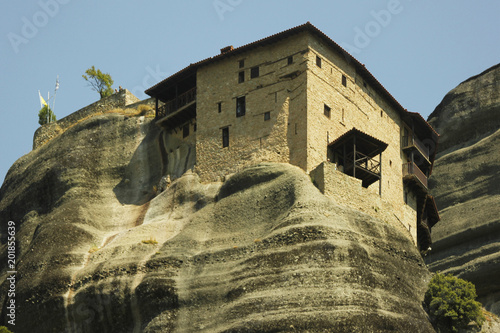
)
(466, 184)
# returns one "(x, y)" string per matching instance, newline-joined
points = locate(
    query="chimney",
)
(226, 49)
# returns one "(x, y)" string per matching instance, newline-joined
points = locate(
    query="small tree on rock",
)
(99, 81)
(450, 302)
(45, 115)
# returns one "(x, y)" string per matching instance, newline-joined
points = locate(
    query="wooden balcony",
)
(411, 142)
(176, 112)
(363, 167)
(182, 101)
(412, 172)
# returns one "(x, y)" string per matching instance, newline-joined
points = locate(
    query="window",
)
(194, 127)
(381, 113)
(267, 115)
(240, 106)
(225, 137)
(327, 111)
(364, 84)
(219, 107)
(344, 80)
(254, 72)
(405, 198)
(185, 131)
(318, 61)
(290, 60)
(343, 115)
(241, 77)
(241, 63)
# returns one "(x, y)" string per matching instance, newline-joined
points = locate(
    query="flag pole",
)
(48, 107)
(55, 93)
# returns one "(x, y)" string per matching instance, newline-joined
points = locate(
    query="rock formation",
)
(98, 250)
(466, 184)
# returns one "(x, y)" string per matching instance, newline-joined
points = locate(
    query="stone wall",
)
(279, 90)
(354, 105)
(347, 191)
(297, 132)
(121, 99)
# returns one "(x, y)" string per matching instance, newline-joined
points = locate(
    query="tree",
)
(45, 115)
(99, 81)
(450, 302)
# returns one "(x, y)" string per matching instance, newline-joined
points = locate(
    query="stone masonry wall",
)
(279, 89)
(120, 99)
(347, 191)
(354, 105)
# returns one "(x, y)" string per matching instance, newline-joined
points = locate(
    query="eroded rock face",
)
(466, 184)
(265, 251)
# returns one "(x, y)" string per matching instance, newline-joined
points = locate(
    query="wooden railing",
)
(364, 161)
(412, 169)
(409, 141)
(177, 103)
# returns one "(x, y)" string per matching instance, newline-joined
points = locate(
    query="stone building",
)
(297, 97)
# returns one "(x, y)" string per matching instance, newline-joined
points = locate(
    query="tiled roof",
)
(282, 35)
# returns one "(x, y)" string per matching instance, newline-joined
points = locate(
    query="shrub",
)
(450, 302)
(151, 241)
(143, 109)
(4, 329)
(46, 116)
(94, 248)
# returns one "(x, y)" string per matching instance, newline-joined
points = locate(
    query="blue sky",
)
(419, 50)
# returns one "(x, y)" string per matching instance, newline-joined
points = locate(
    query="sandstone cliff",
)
(99, 251)
(466, 185)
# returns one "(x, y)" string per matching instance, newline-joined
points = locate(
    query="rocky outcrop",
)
(99, 251)
(466, 184)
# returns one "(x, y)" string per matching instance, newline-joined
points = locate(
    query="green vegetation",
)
(45, 116)
(151, 241)
(94, 248)
(450, 302)
(4, 329)
(99, 81)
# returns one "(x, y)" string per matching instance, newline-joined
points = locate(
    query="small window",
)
(344, 80)
(267, 115)
(219, 107)
(241, 63)
(185, 131)
(343, 115)
(225, 137)
(318, 61)
(194, 127)
(240, 106)
(290, 60)
(254, 72)
(364, 84)
(296, 130)
(327, 111)
(381, 113)
(241, 77)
